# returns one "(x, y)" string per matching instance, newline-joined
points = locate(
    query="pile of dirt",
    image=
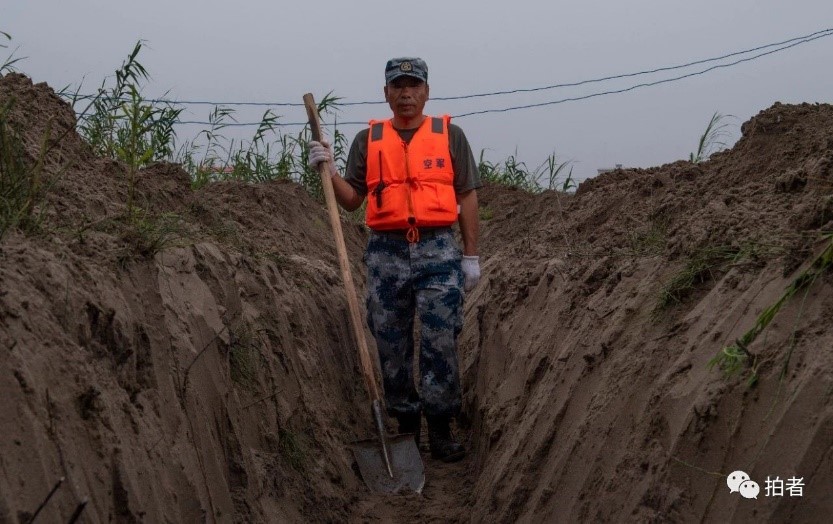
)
(182, 360)
(586, 353)
(191, 358)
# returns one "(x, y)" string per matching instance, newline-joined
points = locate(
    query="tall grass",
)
(713, 138)
(22, 187)
(200, 169)
(269, 155)
(8, 63)
(550, 174)
(122, 125)
(732, 358)
(23, 181)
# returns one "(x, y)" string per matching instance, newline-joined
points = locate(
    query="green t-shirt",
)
(466, 176)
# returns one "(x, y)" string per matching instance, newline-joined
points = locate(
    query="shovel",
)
(387, 464)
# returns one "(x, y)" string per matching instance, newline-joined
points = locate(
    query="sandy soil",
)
(195, 362)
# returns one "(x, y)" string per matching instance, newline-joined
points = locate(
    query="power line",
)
(249, 124)
(585, 97)
(820, 34)
(628, 75)
(792, 43)
(796, 40)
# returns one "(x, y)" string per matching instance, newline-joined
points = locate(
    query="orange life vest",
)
(410, 185)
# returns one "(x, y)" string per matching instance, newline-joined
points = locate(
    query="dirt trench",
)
(192, 361)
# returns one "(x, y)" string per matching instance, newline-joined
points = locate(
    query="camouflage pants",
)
(405, 280)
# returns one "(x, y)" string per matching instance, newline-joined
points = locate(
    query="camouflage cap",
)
(406, 66)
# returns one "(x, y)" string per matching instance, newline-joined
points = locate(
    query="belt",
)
(422, 232)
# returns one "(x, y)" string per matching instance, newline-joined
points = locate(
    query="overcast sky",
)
(277, 51)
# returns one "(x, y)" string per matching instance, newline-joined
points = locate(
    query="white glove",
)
(321, 152)
(471, 271)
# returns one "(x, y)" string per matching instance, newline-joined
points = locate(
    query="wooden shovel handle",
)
(343, 262)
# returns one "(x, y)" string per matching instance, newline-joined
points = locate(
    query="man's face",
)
(406, 96)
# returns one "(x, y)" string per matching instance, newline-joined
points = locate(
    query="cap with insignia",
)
(406, 66)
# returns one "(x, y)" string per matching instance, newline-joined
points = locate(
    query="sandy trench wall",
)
(595, 423)
(586, 405)
(216, 376)
(124, 387)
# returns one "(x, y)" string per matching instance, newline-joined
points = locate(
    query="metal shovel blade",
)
(406, 464)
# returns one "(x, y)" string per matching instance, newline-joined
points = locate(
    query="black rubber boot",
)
(411, 423)
(442, 443)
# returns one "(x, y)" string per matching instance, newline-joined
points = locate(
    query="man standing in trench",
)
(415, 170)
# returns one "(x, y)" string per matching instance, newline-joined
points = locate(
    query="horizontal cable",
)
(797, 40)
(629, 75)
(631, 88)
(578, 98)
